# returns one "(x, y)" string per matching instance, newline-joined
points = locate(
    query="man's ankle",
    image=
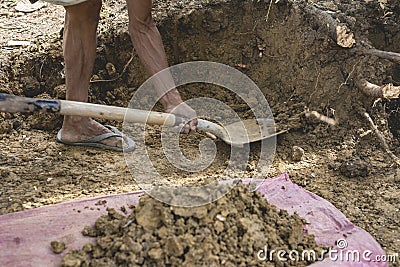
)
(75, 120)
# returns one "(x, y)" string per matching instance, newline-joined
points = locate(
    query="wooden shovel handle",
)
(13, 104)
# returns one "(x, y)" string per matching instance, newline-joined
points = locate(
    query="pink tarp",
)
(25, 236)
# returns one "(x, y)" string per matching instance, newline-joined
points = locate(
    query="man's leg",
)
(148, 44)
(79, 54)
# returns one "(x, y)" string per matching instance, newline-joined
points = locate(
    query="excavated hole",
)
(295, 66)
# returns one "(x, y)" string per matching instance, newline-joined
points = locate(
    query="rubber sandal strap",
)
(100, 137)
(129, 144)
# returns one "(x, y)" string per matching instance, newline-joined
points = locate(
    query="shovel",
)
(235, 134)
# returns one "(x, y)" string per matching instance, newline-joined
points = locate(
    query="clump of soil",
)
(228, 232)
(57, 247)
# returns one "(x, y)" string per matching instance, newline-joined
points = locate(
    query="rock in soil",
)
(229, 232)
(354, 168)
(297, 153)
(31, 86)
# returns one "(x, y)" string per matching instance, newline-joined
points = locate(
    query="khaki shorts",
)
(61, 2)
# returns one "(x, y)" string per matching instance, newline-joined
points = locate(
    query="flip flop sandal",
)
(61, 2)
(95, 141)
(26, 7)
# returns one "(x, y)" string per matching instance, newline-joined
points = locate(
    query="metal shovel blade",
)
(248, 131)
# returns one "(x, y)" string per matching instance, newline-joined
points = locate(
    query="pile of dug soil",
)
(228, 232)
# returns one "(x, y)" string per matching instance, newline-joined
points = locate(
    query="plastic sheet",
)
(25, 236)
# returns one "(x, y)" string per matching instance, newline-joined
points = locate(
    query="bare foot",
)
(77, 129)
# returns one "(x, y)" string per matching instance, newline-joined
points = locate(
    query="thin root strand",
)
(381, 139)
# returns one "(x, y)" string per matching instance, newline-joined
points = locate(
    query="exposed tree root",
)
(339, 32)
(376, 91)
(391, 56)
(320, 117)
(343, 36)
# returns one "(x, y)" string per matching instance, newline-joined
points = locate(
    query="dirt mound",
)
(228, 232)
